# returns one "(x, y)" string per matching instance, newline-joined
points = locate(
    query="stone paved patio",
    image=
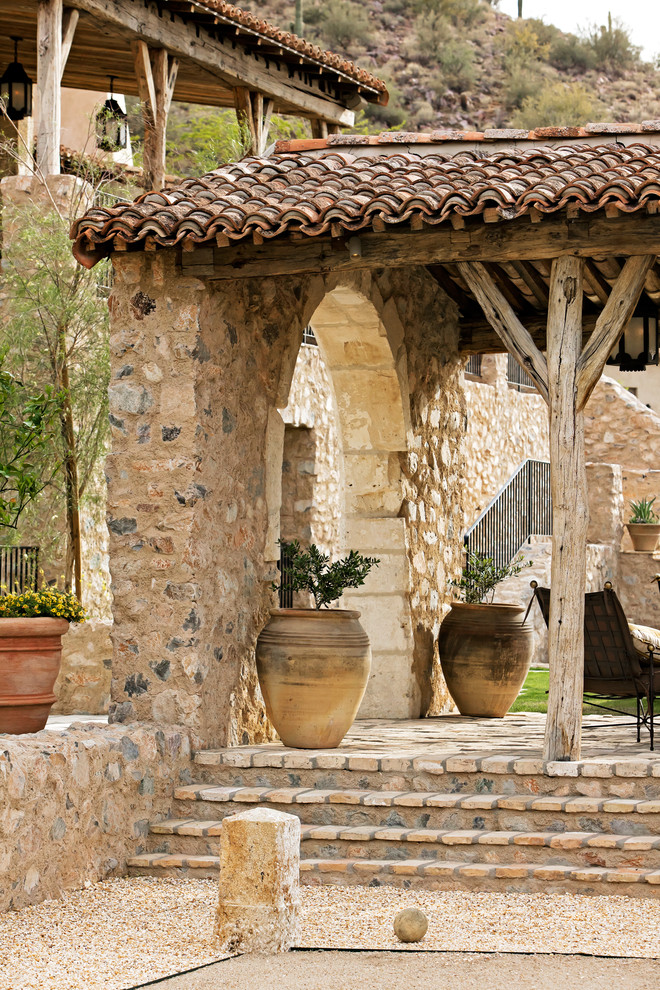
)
(516, 734)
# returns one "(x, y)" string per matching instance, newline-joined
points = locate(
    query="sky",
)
(641, 17)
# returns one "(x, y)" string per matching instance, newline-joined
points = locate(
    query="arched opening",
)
(349, 396)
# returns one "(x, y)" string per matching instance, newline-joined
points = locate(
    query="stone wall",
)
(83, 683)
(195, 478)
(619, 429)
(75, 805)
(504, 428)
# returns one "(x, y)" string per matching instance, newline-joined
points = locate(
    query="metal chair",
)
(612, 666)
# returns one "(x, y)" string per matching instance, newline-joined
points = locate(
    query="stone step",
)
(190, 837)
(419, 809)
(279, 767)
(429, 874)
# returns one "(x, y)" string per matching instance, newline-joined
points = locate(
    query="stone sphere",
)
(410, 925)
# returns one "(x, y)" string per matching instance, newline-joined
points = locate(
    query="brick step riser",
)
(646, 788)
(389, 849)
(509, 886)
(399, 816)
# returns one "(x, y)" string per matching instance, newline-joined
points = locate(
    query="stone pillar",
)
(259, 882)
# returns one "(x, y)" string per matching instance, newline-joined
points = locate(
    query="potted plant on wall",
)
(644, 525)
(485, 648)
(313, 663)
(32, 624)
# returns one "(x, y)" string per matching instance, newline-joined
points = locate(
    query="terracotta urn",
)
(485, 653)
(30, 656)
(313, 668)
(644, 536)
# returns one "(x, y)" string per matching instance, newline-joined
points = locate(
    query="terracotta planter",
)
(30, 655)
(485, 652)
(644, 536)
(313, 669)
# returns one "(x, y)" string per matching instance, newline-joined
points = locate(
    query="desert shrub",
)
(396, 6)
(556, 105)
(521, 84)
(459, 13)
(546, 33)
(423, 114)
(572, 53)
(523, 46)
(457, 67)
(344, 23)
(612, 48)
(431, 32)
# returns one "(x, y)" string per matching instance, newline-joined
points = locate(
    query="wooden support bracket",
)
(506, 324)
(156, 73)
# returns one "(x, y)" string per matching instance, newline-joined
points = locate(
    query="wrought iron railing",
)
(19, 569)
(286, 587)
(520, 510)
(517, 377)
(473, 366)
(309, 337)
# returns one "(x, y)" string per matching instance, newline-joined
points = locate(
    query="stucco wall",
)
(75, 805)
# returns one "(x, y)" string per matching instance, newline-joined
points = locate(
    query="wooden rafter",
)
(453, 290)
(534, 282)
(616, 313)
(506, 324)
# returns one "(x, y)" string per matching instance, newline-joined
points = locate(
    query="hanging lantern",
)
(111, 124)
(16, 88)
(638, 344)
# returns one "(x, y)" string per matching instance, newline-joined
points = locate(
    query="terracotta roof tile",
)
(244, 19)
(315, 195)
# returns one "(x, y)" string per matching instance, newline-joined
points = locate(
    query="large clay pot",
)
(644, 536)
(313, 669)
(485, 652)
(30, 656)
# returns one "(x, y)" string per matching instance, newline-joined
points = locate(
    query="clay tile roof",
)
(339, 193)
(243, 19)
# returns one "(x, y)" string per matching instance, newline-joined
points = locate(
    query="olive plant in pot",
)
(485, 647)
(32, 624)
(313, 664)
(644, 525)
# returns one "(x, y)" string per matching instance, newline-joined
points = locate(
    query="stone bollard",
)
(259, 882)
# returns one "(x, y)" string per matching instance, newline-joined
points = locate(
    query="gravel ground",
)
(120, 933)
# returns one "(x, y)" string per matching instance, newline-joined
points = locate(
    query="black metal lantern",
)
(638, 344)
(16, 88)
(111, 124)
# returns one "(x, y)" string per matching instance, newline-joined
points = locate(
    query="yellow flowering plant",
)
(47, 603)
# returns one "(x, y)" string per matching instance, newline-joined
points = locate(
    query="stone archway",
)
(367, 366)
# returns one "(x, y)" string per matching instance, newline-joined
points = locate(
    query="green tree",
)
(26, 431)
(54, 330)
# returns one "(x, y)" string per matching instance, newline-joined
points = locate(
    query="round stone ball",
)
(410, 925)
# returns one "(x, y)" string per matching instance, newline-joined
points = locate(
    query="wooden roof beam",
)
(511, 240)
(185, 40)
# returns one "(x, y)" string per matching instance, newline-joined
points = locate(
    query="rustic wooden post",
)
(565, 380)
(254, 112)
(49, 74)
(570, 513)
(156, 75)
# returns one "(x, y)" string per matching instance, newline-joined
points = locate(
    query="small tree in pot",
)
(485, 648)
(313, 664)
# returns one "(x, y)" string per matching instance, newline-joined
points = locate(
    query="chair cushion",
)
(646, 638)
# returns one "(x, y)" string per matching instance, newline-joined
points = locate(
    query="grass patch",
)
(534, 698)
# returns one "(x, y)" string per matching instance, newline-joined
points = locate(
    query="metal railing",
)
(19, 569)
(517, 377)
(520, 510)
(473, 366)
(309, 337)
(285, 591)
